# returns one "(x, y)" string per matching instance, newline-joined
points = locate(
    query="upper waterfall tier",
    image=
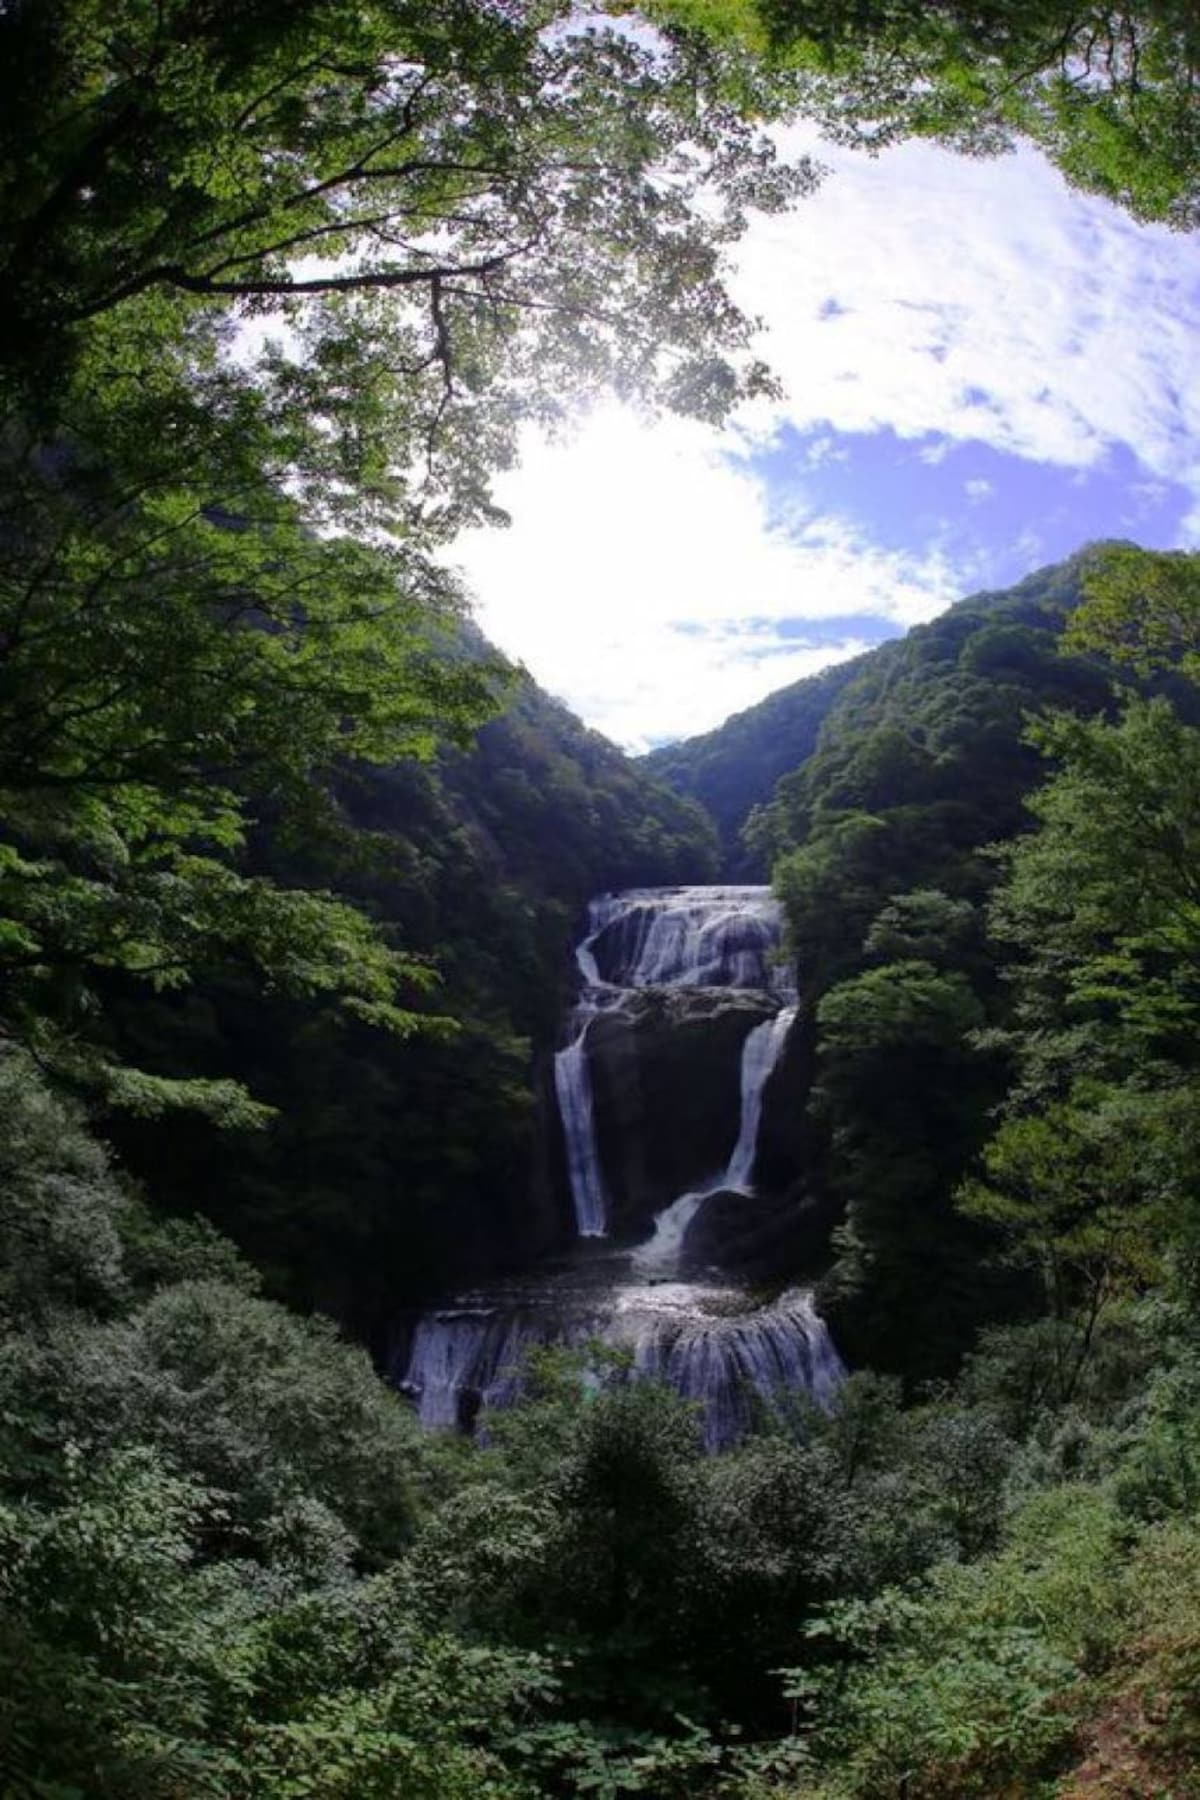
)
(675, 981)
(684, 937)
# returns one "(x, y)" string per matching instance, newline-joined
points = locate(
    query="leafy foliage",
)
(1100, 900)
(1107, 92)
(280, 287)
(880, 841)
(483, 859)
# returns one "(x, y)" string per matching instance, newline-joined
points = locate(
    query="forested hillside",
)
(919, 685)
(734, 768)
(884, 849)
(392, 1168)
(883, 844)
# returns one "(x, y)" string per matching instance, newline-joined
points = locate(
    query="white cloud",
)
(982, 300)
(644, 579)
(949, 299)
(978, 488)
(824, 450)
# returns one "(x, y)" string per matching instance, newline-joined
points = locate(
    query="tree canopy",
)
(1107, 92)
(520, 183)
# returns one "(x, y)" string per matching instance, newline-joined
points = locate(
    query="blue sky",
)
(973, 499)
(982, 371)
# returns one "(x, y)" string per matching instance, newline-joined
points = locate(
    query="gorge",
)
(682, 989)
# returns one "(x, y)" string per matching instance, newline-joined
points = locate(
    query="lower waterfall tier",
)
(712, 1344)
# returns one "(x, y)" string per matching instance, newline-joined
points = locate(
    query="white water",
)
(761, 1052)
(447, 1348)
(668, 937)
(466, 1359)
(573, 1086)
(683, 937)
(705, 1341)
(729, 1361)
(662, 1255)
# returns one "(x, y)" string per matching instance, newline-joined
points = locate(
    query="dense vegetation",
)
(392, 1167)
(281, 282)
(735, 768)
(881, 845)
(234, 1566)
(1106, 92)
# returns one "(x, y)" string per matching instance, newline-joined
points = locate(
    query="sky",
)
(983, 370)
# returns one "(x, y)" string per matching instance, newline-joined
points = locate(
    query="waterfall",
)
(683, 937)
(664, 937)
(734, 1363)
(662, 1255)
(708, 1344)
(762, 1051)
(709, 1341)
(465, 1359)
(573, 1085)
(447, 1348)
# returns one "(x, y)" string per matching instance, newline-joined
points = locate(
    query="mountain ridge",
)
(734, 768)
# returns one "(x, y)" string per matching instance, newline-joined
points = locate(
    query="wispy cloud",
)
(982, 301)
(1038, 350)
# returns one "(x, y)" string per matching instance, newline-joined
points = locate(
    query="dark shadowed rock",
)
(758, 1237)
(665, 1069)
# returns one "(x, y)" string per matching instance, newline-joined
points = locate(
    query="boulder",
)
(759, 1238)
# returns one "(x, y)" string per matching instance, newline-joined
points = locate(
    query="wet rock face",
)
(665, 1083)
(757, 1237)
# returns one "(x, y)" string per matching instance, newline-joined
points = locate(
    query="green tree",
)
(830, 887)
(922, 926)
(1141, 609)
(514, 181)
(1088, 1194)
(900, 1091)
(1106, 91)
(281, 286)
(1101, 904)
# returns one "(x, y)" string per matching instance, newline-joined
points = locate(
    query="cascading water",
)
(709, 1341)
(683, 937)
(726, 1355)
(729, 1362)
(763, 1049)
(464, 1359)
(661, 1256)
(653, 937)
(573, 1087)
